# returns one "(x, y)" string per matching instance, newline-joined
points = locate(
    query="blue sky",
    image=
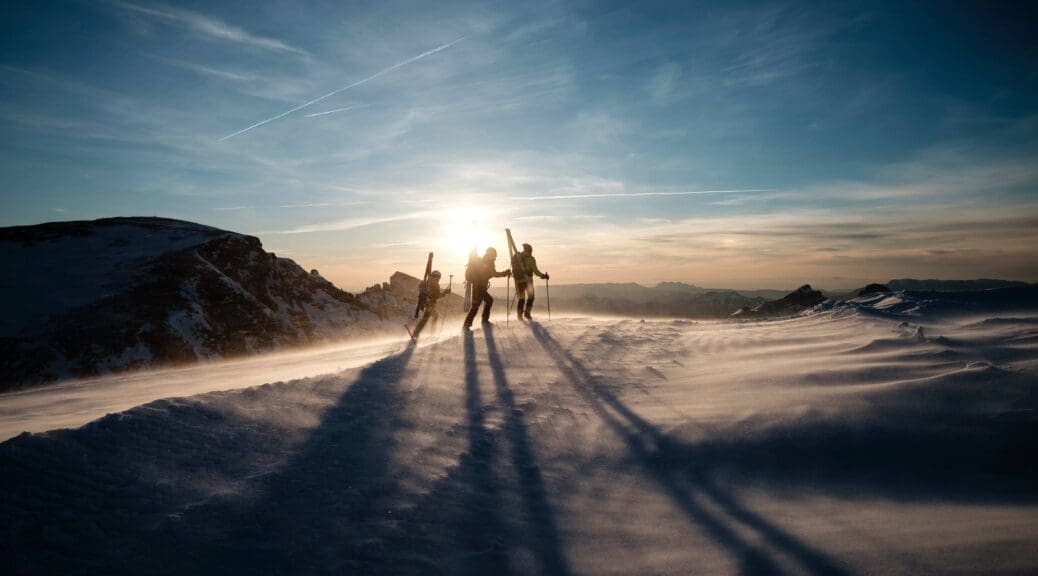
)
(724, 144)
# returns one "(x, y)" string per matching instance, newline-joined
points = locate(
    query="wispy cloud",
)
(664, 82)
(378, 74)
(206, 70)
(641, 194)
(354, 223)
(336, 110)
(207, 26)
(325, 204)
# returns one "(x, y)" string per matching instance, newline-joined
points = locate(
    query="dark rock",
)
(874, 289)
(800, 299)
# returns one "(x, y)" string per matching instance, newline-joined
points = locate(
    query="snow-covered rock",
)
(796, 301)
(93, 297)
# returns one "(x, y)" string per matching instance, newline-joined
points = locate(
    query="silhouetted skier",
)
(432, 294)
(523, 275)
(478, 274)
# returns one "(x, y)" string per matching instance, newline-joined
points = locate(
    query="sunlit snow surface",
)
(861, 438)
(76, 402)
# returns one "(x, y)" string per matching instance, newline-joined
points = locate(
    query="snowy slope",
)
(73, 403)
(101, 296)
(864, 439)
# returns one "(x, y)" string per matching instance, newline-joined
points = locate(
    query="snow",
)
(137, 355)
(190, 326)
(856, 438)
(74, 403)
(63, 272)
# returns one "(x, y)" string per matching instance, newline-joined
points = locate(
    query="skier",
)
(525, 271)
(432, 293)
(478, 274)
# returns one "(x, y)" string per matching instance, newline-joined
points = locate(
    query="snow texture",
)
(881, 436)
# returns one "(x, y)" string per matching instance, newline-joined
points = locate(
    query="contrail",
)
(639, 194)
(353, 223)
(355, 84)
(332, 111)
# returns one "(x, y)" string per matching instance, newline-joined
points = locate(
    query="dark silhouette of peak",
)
(679, 287)
(800, 299)
(874, 289)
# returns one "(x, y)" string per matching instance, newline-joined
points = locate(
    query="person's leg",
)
(421, 324)
(520, 294)
(477, 299)
(488, 302)
(433, 317)
(529, 300)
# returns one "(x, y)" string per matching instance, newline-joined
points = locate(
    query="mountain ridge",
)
(122, 293)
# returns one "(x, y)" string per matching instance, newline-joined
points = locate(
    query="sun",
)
(465, 227)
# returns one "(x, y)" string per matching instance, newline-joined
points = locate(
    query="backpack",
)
(474, 270)
(519, 270)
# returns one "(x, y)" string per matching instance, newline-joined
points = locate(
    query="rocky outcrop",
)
(798, 300)
(95, 297)
(397, 298)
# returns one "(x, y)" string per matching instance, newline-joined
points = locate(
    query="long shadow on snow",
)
(547, 544)
(460, 526)
(324, 510)
(457, 527)
(657, 455)
(480, 532)
(965, 435)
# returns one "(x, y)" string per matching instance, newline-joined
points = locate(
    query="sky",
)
(724, 144)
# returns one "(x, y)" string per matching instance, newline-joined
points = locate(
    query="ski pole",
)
(508, 297)
(547, 293)
(450, 282)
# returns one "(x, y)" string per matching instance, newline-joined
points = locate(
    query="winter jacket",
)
(529, 268)
(483, 272)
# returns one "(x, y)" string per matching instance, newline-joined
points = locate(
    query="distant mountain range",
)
(678, 299)
(952, 285)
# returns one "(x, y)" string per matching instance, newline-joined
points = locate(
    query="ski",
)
(513, 255)
(467, 302)
(515, 264)
(421, 287)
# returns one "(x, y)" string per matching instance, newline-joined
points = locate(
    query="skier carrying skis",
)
(526, 269)
(432, 292)
(478, 274)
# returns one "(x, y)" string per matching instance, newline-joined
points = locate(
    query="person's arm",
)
(495, 274)
(531, 266)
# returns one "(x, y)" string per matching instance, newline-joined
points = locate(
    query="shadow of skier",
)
(325, 509)
(540, 517)
(481, 532)
(657, 455)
